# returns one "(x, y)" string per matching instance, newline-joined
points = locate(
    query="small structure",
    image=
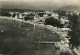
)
(20, 16)
(36, 16)
(55, 15)
(11, 13)
(64, 20)
(76, 12)
(16, 16)
(65, 29)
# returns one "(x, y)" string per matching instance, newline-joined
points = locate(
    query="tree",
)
(75, 33)
(53, 22)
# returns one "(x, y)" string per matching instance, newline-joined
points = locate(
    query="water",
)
(18, 38)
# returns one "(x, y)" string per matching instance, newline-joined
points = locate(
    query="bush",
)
(28, 18)
(3, 13)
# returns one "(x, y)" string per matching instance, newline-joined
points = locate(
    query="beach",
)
(21, 38)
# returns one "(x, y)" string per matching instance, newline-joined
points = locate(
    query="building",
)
(64, 20)
(16, 16)
(55, 15)
(20, 16)
(76, 12)
(11, 13)
(36, 16)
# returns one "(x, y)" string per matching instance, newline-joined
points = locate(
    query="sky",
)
(38, 4)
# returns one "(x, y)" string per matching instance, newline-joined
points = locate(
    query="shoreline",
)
(49, 27)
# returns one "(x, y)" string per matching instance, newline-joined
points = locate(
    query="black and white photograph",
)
(39, 27)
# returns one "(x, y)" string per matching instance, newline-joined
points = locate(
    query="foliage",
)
(75, 33)
(53, 22)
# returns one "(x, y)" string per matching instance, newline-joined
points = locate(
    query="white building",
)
(36, 16)
(64, 20)
(20, 16)
(16, 16)
(55, 15)
(76, 12)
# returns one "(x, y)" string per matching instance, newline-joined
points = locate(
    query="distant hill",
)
(48, 8)
(70, 8)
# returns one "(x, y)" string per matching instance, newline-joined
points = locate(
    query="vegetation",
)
(4, 13)
(74, 22)
(53, 22)
(75, 33)
(28, 18)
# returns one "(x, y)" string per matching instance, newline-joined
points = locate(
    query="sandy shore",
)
(49, 27)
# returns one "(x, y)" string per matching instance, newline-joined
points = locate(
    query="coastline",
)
(49, 27)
